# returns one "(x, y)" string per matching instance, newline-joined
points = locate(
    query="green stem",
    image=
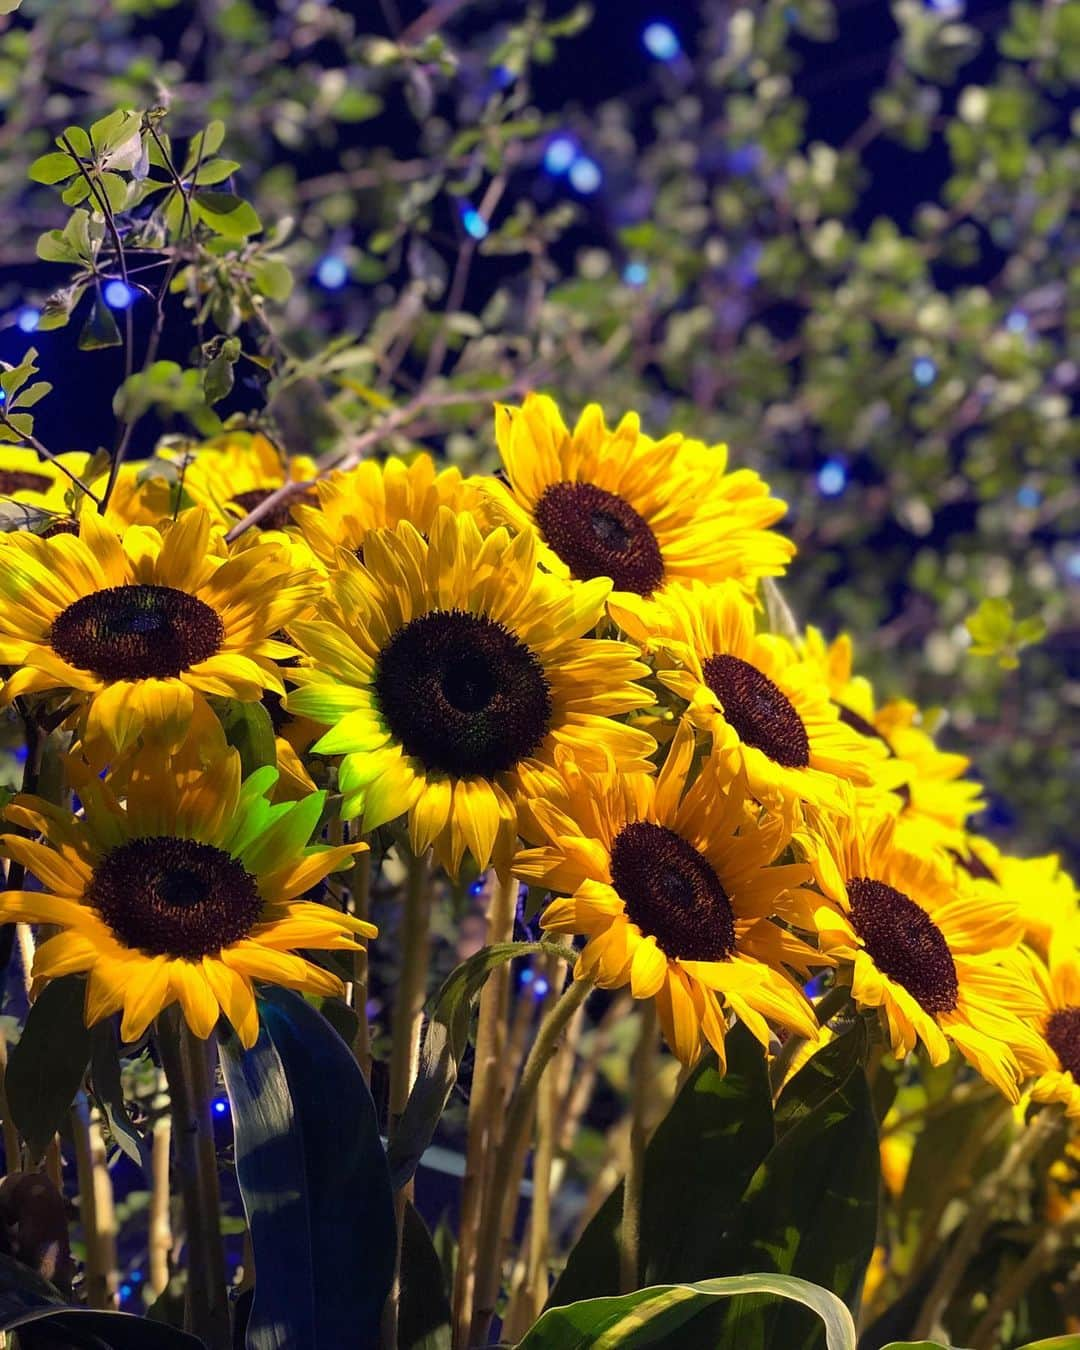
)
(980, 1215)
(518, 1117)
(360, 905)
(186, 1061)
(634, 1183)
(826, 1008)
(405, 1044)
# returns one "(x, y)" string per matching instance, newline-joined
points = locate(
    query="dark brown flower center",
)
(672, 893)
(598, 534)
(174, 897)
(137, 632)
(462, 693)
(762, 715)
(1063, 1037)
(278, 516)
(904, 943)
(18, 480)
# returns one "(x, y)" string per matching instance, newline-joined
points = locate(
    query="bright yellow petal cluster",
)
(133, 632)
(179, 882)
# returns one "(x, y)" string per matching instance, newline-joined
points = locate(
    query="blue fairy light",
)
(3, 395)
(832, 478)
(635, 273)
(923, 371)
(1072, 565)
(816, 987)
(559, 155)
(477, 888)
(946, 6)
(473, 222)
(331, 272)
(136, 1277)
(28, 319)
(744, 159)
(1017, 321)
(540, 987)
(118, 294)
(221, 1105)
(125, 1291)
(746, 263)
(661, 41)
(585, 175)
(527, 976)
(1029, 497)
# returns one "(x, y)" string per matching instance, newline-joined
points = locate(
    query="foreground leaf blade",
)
(649, 1316)
(314, 1182)
(46, 1068)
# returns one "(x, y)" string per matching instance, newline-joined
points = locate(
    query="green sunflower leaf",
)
(697, 1166)
(313, 1179)
(46, 1068)
(424, 1317)
(650, 1316)
(810, 1210)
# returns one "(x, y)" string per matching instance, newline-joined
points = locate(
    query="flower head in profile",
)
(36, 483)
(233, 475)
(444, 665)
(186, 887)
(675, 885)
(767, 711)
(1056, 1063)
(378, 495)
(1045, 893)
(132, 631)
(647, 514)
(933, 954)
(927, 785)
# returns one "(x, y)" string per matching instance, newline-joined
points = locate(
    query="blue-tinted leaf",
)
(45, 1070)
(314, 1182)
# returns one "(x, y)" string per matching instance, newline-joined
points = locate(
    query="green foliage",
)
(46, 1067)
(996, 632)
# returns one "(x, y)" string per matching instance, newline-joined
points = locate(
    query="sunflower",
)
(936, 956)
(675, 887)
(134, 630)
(378, 494)
(445, 666)
(768, 711)
(39, 484)
(187, 888)
(235, 473)
(648, 514)
(1057, 1062)
(930, 793)
(1045, 892)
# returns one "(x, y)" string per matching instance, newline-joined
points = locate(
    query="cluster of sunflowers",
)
(559, 672)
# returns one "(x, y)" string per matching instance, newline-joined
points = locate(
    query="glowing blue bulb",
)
(3, 395)
(527, 976)
(477, 888)
(118, 295)
(1072, 565)
(221, 1105)
(136, 1277)
(1029, 497)
(923, 371)
(946, 6)
(125, 1291)
(1017, 321)
(540, 987)
(635, 274)
(28, 319)
(585, 175)
(559, 155)
(661, 41)
(474, 223)
(832, 478)
(816, 987)
(332, 272)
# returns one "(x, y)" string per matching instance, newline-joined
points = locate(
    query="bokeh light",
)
(118, 294)
(585, 175)
(661, 41)
(332, 272)
(559, 155)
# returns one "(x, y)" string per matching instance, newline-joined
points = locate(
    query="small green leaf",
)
(53, 247)
(100, 329)
(55, 167)
(80, 141)
(272, 278)
(77, 192)
(108, 1092)
(249, 730)
(115, 189)
(215, 171)
(46, 1067)
(29, 396)
(225, 214)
